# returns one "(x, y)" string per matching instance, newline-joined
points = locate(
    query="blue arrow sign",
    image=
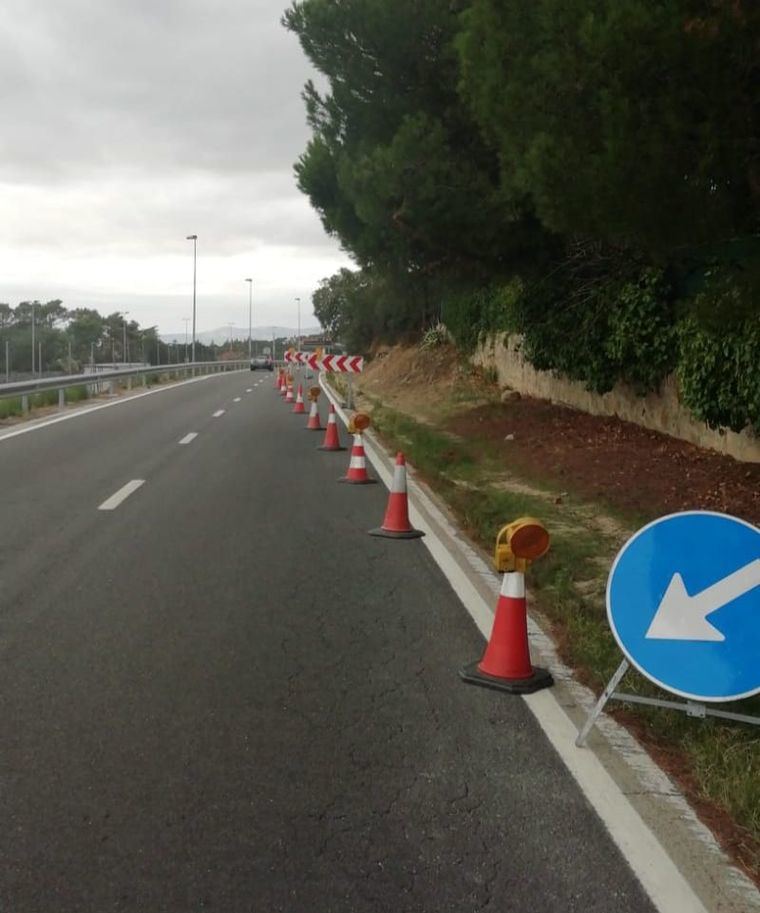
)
(683, 601)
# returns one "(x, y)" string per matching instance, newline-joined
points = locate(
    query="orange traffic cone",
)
(313, 424)
(277, 379)
(357, 467)
(332, 438)
(289, 391)
(506, 663)
(299, 407)
(396, 523)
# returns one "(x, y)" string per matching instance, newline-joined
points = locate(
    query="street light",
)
(250, 315)
(194, 239)
(124, 338)
(33, 304)
(299, 323)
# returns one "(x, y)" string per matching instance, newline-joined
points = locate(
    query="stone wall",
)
(659, 412)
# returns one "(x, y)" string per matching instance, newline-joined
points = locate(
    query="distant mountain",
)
(222, 334)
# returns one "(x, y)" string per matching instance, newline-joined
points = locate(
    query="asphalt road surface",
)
(222, 694)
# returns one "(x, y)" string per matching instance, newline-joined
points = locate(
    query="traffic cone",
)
(313, 424)
(332, 438)
(396, 523)
(357, 467)
(506, 663)
(299, 407)
(277, 379)
(289, 391)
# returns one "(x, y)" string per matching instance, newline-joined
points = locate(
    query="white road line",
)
(189, 437)
(237, 399)
(121, 495)
(218, 413)
(249, 390)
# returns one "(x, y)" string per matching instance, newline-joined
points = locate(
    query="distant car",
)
(263, 362)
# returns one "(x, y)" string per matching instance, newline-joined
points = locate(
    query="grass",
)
(715, 761)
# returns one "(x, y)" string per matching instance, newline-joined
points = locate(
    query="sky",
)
(128, 125)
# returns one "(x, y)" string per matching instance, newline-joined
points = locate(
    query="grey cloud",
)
(113, 85)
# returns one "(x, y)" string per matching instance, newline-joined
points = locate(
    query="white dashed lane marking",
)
(237, 399)
(218, 413)
(121, 495)
(189, 437)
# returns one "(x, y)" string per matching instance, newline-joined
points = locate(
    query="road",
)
(223, 695)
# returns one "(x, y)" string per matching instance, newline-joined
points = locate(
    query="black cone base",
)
(330, 449)
(392, 534)
(358, 481)
(541, 678)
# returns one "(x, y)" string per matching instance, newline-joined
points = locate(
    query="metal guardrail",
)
(27, 388)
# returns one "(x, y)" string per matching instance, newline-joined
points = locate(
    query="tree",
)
(396, 167)
(628, 122)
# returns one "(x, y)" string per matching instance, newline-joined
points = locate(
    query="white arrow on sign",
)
(684, 617)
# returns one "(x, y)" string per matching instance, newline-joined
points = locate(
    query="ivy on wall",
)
(631, 330)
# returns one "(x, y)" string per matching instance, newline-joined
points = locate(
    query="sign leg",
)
(600, 704)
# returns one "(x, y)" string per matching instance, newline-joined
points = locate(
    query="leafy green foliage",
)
(718, 373)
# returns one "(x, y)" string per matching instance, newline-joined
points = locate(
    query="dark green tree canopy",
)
(634, 122)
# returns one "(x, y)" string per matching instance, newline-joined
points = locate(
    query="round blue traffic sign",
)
(683, 601)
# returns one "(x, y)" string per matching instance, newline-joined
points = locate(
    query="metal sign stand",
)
(690, 708)
(350, 392)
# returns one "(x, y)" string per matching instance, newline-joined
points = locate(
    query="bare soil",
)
(640, 472)
(617, 464)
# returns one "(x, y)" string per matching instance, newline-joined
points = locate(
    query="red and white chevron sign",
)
(340, 364)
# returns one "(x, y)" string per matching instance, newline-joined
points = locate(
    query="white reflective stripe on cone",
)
(399, 479)
(513, 585)
(357, 462)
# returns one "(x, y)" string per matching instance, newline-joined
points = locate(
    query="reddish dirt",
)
(640, 472)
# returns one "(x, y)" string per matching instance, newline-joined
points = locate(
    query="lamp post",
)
(124, 338)
(250, 316)
(299, 323)
(32, 339)
(194, 239)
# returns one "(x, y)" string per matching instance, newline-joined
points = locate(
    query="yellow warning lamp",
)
(361, 422)
(318, 351)
(314, 393)
(519, 543)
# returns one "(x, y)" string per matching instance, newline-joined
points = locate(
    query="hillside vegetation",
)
(583, 172)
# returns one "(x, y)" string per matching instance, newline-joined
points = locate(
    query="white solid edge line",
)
(218, 413)
(121, 495)
(88, 410)
(189, 437)
(662, 880)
